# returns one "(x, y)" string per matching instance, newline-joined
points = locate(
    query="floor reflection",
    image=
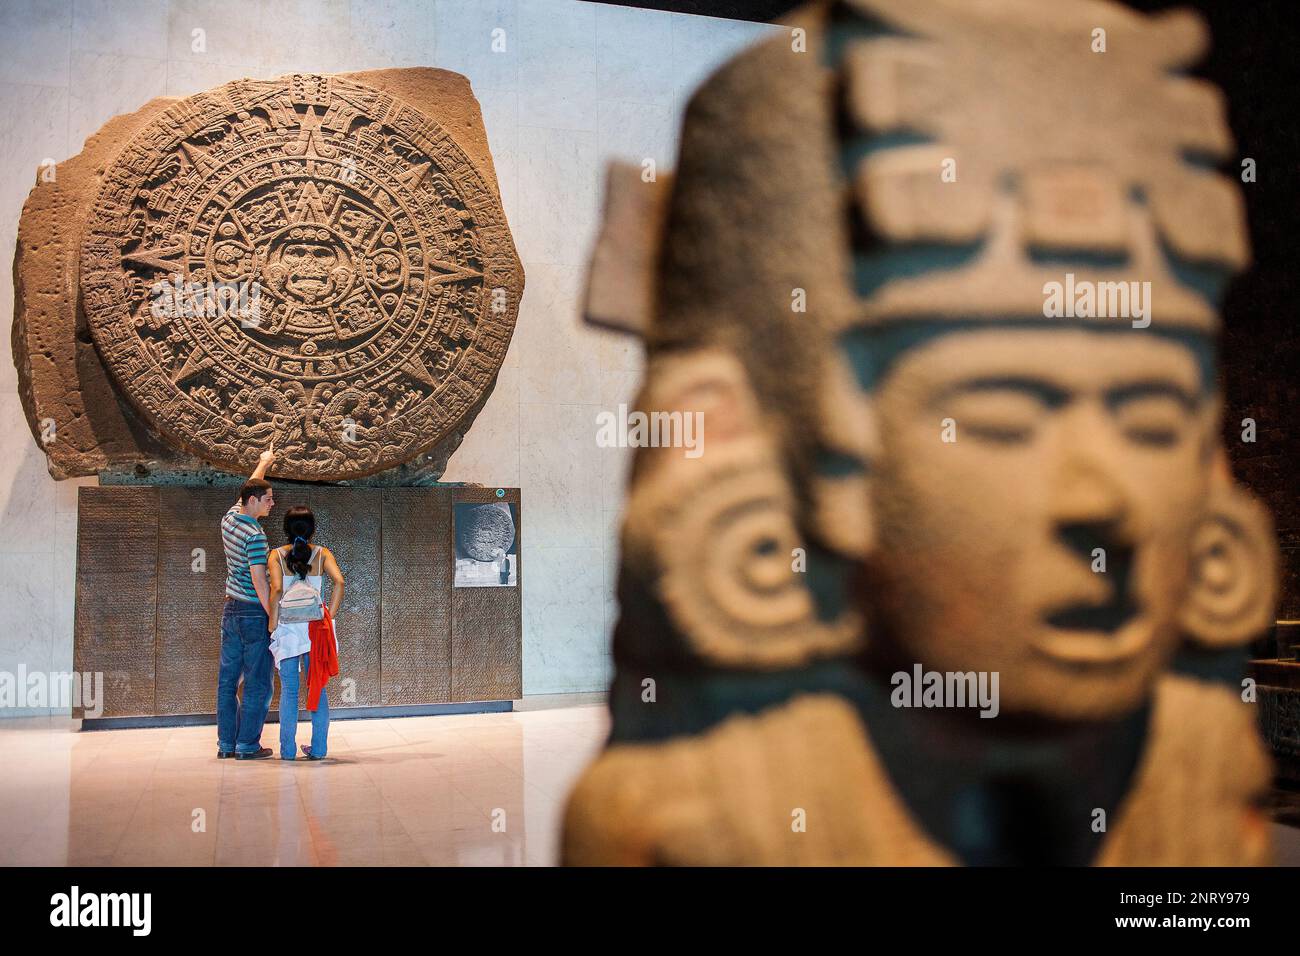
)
(474, 790)
(483, 790)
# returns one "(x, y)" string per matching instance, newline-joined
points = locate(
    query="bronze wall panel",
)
(190, 601)
(416, 612)
(151, 623)
(116, 601)
(486, 626)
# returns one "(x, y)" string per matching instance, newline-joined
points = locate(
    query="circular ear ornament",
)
(723, 551)
(1233, 589)
(715, 536)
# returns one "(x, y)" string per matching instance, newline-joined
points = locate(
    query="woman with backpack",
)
(302, 630)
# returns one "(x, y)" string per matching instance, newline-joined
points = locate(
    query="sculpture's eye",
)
(1003, 416)
(1158, 421)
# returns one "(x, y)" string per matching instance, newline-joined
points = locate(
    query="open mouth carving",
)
(1092, 632)
(1110, 616)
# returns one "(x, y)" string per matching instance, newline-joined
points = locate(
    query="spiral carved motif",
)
(369, 284)
(721, 543)
(1234, 572)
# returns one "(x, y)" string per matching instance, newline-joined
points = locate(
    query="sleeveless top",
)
(292, 640)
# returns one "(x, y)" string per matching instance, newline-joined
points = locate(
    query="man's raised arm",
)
(264, 462)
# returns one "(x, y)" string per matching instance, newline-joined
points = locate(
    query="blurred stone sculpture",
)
(945, 285)
(319, 262)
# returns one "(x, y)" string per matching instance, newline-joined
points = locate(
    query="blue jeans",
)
(246, 654)
(291, 669)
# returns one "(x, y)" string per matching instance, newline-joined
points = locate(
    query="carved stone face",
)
(310, 267)
(1066, 441)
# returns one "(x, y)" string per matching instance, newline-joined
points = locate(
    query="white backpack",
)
(300, 603)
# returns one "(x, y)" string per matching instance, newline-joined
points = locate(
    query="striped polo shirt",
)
(245, 544)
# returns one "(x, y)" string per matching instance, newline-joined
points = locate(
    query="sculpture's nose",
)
(1087, 493)
(1091, 519)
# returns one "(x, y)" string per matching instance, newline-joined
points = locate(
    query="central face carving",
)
(1050, 540)
(310, 265)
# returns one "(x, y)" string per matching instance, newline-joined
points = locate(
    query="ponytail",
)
(299, 526)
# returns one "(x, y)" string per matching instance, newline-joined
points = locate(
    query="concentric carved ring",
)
(1234, 572)
(308, 261)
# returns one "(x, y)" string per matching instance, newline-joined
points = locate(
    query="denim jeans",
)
(246, 654)
(291, 669)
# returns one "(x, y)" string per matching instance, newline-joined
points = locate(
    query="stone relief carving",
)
(315, 261)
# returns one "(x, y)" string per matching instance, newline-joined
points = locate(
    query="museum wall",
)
(577, 85)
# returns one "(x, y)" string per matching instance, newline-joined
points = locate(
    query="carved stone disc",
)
(306, 260)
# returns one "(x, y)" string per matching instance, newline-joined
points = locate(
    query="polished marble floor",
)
(474, 790)
(485, 789)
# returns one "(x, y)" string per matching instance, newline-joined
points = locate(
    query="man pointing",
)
(245, 638)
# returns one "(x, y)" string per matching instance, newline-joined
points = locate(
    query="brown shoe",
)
(254, 755)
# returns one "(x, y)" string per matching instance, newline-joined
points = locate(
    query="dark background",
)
(1255, 60)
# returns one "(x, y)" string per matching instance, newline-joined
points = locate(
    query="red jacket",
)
(324, 662)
